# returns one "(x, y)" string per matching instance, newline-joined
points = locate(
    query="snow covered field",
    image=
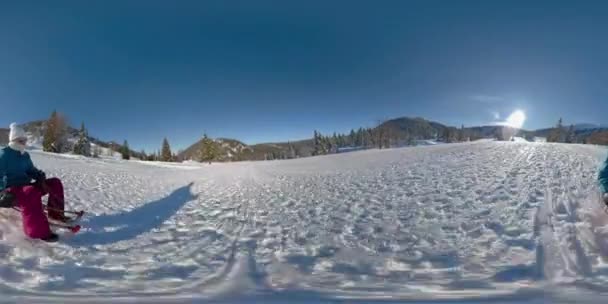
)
(499, 221)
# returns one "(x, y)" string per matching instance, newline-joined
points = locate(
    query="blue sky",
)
(264, 71)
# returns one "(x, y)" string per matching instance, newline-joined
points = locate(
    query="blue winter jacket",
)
(16, 169)
(603, 177)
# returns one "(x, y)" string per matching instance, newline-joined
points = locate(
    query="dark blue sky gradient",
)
(265, 71)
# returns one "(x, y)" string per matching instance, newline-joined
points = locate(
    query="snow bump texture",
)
(479, 220)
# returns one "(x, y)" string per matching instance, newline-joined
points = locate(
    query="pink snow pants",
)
(29, 199)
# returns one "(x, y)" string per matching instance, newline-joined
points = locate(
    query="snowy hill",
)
(234, 150)
(228, 150)
(491, 221)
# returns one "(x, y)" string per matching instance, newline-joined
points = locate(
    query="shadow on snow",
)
(128, 225)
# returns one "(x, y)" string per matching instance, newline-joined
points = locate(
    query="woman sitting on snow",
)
(603, 180)
(17, 190)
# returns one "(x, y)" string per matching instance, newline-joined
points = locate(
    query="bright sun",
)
(516, 119)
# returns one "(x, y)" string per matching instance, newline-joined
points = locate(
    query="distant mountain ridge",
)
(587, 126)
(402, 131)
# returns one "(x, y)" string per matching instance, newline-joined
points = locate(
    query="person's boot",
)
(53, 237)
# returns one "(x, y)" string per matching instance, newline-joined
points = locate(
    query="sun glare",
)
(516, 119)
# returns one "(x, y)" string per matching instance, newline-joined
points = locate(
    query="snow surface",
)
(472, 222)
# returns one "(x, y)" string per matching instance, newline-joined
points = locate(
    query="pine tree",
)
(209, 151)
(165, 154)
(380, 137)
(389, 137)
(317, 144)
(360, 140)
(335, 143)
(408, 138)
(369, 139)
(125, 152)
(352, 138)
(82, 146)
(142, 155)
(571, 135)
(291, 151)
(329, 145)
(557, 134)
(296, 152)
(447, 135)
(461, 134)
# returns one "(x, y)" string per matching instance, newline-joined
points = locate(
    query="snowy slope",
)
(500, 221)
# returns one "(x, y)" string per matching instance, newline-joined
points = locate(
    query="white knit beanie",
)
(16, 132)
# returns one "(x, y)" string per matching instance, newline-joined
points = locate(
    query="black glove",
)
(39, 178)
(41, 185)
(7, 200)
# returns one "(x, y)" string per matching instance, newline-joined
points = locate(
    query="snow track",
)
(487, 220)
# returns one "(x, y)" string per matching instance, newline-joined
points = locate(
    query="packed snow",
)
(482, 221)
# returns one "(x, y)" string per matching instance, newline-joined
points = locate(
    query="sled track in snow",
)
(487, 220)
(561, 256)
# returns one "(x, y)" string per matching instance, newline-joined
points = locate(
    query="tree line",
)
(386, 135)
(560, 134)
(383, 137)
(563, 134)
(56, 134)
